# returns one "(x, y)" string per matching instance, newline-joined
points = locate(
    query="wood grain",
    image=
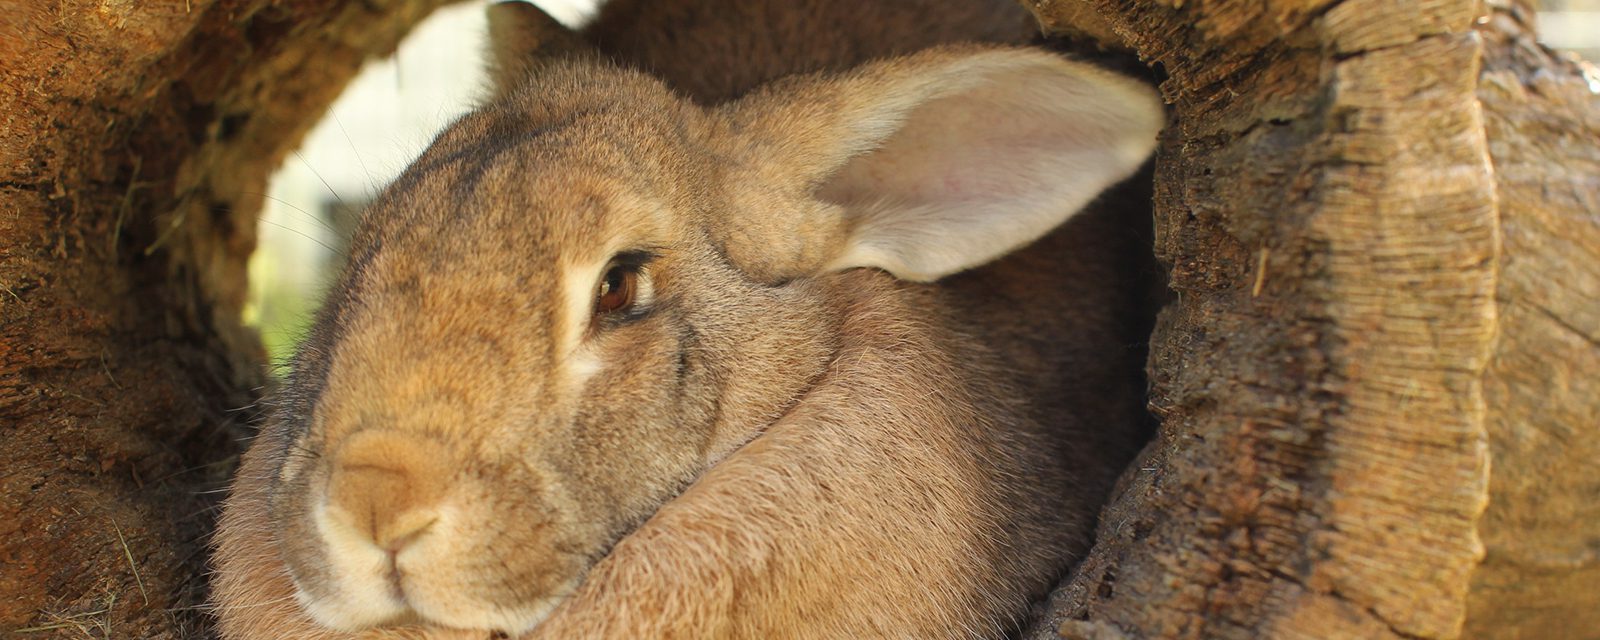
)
(1326, 204)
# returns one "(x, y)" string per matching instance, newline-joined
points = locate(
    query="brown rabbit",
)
(712, 349)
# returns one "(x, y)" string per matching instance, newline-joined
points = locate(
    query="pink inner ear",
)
(977, 145)
(920, 163)
(971, 175)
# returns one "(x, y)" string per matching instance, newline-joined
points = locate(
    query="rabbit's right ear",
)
(925, 165)
(521, 37)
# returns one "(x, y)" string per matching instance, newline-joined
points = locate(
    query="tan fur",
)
(784, 446)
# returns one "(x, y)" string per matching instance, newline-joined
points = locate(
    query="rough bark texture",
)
(136, 143)
(1381, 279)
(1541, 575)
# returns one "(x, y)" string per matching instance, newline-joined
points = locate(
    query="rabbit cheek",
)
(499, 562)
(385, 537)
(625, 421)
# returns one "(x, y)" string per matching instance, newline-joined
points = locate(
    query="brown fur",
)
(778, 449)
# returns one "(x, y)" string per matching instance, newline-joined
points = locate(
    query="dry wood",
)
(134, 151)
(1327, 413)
(1541, 575)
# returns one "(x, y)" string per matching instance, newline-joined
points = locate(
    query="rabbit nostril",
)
(387, 487)
(400, 538)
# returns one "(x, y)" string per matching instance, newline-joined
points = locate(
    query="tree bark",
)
(135, 148)
(1381, 222)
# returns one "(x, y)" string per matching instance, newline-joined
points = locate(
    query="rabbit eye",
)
(625, 290)
(617, 289)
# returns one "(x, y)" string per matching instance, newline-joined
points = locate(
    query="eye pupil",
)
(616, 290)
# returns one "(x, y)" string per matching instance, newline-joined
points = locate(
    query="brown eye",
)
(617, 289)
(626, 291)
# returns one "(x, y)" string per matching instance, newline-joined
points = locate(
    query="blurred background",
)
(1571, 25)
(395, 107)
(383, 120)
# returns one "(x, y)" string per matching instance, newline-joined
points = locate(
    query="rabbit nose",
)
(387, 487)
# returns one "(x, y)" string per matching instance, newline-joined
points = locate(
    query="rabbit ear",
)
(927, 165)
(521, 37)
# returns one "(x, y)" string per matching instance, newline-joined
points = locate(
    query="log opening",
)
(1379, 219)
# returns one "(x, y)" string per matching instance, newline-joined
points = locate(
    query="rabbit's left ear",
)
(931, 164)
(521, 37)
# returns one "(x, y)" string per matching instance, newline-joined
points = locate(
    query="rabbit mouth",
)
(439, 577)
(448, 609)
(400, 610)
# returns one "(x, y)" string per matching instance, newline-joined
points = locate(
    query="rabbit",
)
(685, 335)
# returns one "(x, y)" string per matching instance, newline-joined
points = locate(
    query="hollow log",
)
(1378, 384)
(1382, 221)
